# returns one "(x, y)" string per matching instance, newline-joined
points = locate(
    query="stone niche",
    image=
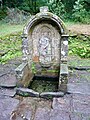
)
(45, 48)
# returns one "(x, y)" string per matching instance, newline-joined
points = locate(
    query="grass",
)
(80, 46)
(6, 29)
(10, 47)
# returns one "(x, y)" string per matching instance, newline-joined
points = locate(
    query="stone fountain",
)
(45, 50)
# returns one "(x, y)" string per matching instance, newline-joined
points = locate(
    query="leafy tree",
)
(80, 13)
(68, 5)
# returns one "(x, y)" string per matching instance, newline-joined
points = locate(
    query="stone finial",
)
(44, 9)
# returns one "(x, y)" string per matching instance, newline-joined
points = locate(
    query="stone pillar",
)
(24, 47)
(63, 78)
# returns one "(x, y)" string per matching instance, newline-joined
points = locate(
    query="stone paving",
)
(75, 105)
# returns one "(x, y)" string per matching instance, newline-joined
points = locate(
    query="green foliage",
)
(33, 68)
(80, 13)
(11, 47)
(68, 5)
(32, 6)
(2, 14)
(79, 46)
(57, 8)
(75, 10)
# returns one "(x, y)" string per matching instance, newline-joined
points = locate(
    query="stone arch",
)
(42, 17)
(30, 34)
(50, 58)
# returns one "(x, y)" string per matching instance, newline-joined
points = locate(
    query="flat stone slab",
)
(82, 88)
(7, 105)
(8, 80)
(81, 103)
(78, 76)
(52, 94)
(7, 92)
(7, 68)
(27, 92)
(3, 70)
(62, 103)
(59, 115)
(42, 114)
(32, 108)
(22, 112)
(80, 67)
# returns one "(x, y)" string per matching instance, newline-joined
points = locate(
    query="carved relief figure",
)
(44, 48)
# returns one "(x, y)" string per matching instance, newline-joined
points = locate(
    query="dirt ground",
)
(79, 29)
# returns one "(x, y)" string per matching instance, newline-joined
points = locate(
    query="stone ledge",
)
(51, 94)
(26, 92)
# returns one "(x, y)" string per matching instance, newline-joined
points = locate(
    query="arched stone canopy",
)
(42, 17)
(45, 41)
(45, 48)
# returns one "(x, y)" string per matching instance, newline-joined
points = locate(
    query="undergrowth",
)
(80, 46)
(10, 47)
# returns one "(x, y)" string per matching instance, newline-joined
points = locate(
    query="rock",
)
(3, 52)
(42, 114)
(26, 92)
(80, 67)
(7, 105)
(7, 92)
(59, 115)
(22, 112)
(81, 103)
(8, 80)
(79, 76)
(82, 88)
(86, 116)
(52, 94)
(62, 103)
(76, 116)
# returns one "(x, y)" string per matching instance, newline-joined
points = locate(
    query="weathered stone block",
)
(24, 75)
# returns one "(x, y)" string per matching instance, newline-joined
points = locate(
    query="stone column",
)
(63, 78)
